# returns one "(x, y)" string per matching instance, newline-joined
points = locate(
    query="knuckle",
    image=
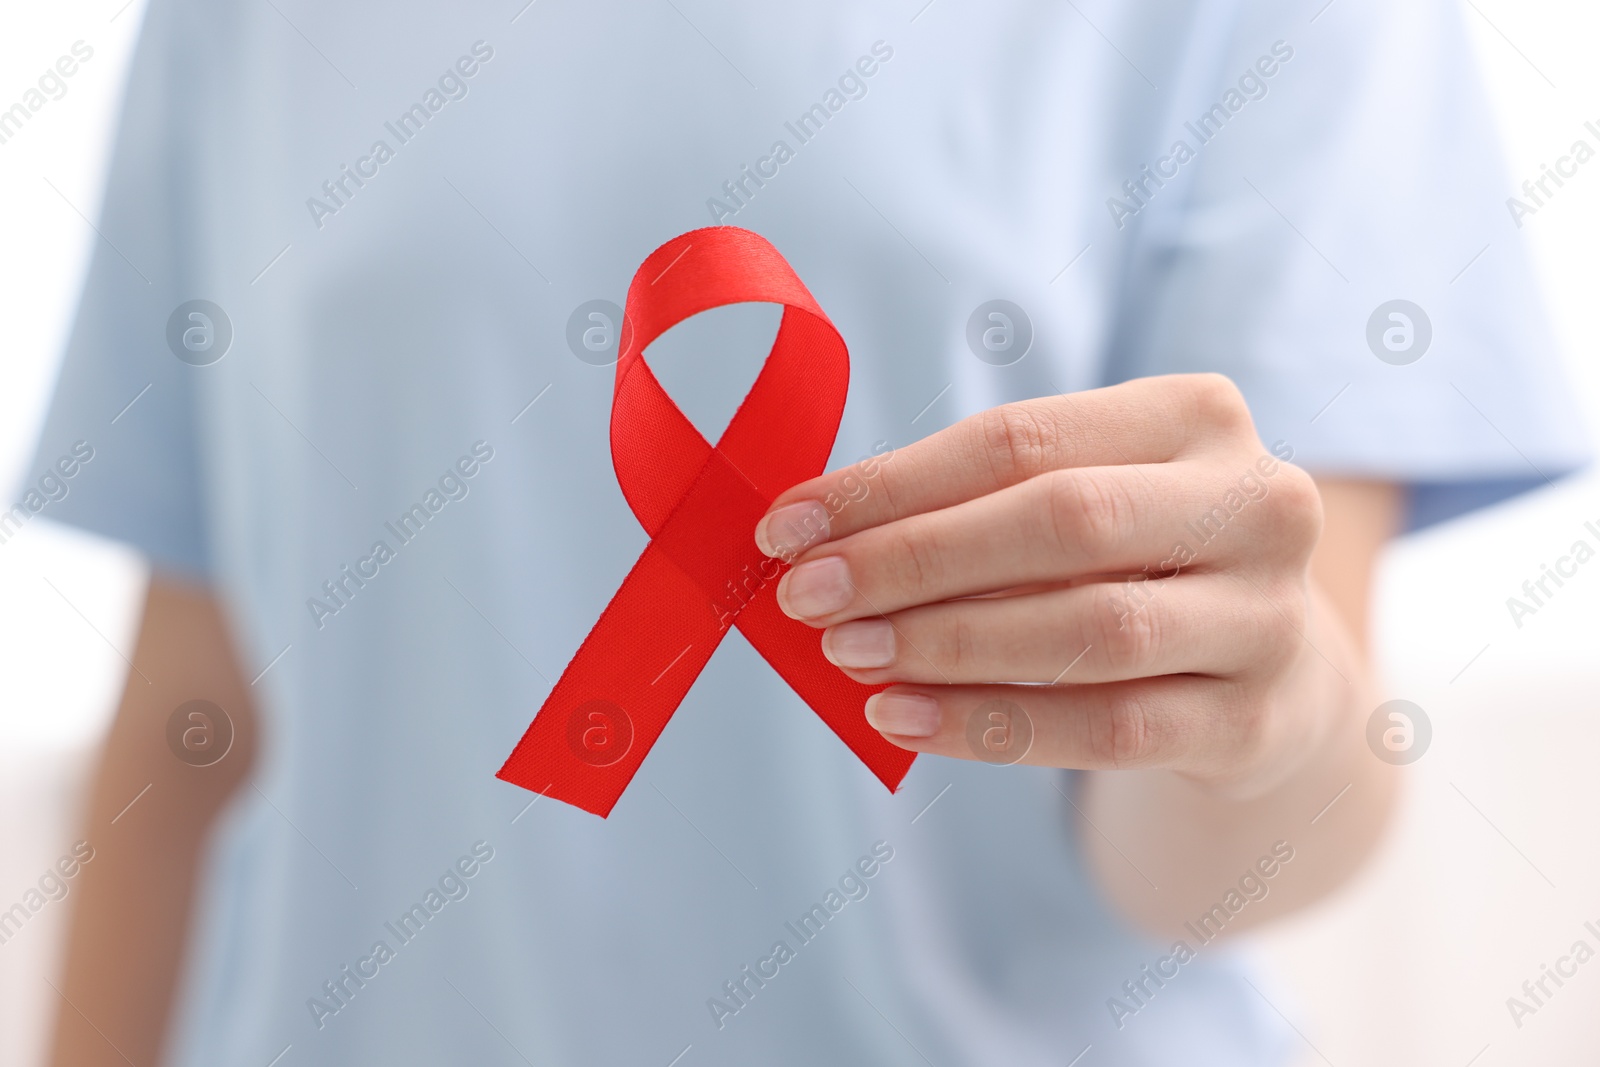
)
(1250, 714)
(1277, 625)
(1217, 403)
(1293, 613)
(1237, 728)
(888, 484)
(917, 567)
(1019, 442)
(1133, 643)
(961, 644)
(1296, 510)
(1122, 735)
(1087, 515)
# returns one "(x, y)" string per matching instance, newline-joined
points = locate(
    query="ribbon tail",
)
(794, 650)
(612, 702)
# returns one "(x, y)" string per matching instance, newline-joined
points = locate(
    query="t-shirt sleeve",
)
(122, 397)
(1337, 239)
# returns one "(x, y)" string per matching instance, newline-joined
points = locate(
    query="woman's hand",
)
(1109, 579)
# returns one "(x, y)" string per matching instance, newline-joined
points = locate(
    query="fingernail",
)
(814, 589)
(792, 529)
(903, 713)
(863, 643)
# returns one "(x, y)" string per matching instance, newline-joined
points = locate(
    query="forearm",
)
(1165, 848)
(1193, 843)
(147, 815)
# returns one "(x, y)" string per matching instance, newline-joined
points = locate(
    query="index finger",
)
(1147, 420)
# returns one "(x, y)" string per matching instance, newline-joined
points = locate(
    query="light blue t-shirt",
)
(402, 210)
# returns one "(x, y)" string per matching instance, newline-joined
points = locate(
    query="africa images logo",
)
(199, 332)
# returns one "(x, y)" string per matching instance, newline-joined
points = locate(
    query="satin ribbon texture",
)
(701, 572)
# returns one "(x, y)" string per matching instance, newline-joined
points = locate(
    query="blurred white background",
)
(1491, 871)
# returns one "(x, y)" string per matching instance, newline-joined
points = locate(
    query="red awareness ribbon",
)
(700, 503)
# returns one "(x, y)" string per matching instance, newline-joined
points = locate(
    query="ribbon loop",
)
(701, 572)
